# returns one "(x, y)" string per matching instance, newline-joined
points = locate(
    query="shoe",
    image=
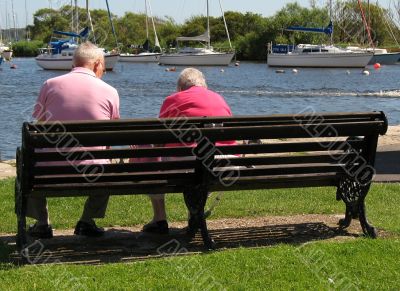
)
(40, 231)
(158, 227)
(88, 229)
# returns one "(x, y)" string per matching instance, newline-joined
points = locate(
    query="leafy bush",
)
(27, 48)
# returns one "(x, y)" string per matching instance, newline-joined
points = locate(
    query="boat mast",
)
(330, 16)
(15, 26)
(208, 27)
(226, 26)
(112, 24)
(76, 17)
(147, 21)
(157, 43)
(90, 20)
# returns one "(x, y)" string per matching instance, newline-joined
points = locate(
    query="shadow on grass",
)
(123, 245)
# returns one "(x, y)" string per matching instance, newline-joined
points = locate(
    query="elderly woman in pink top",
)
(78, 95)
(192, 99)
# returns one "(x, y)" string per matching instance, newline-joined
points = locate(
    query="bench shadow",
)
(124, 245)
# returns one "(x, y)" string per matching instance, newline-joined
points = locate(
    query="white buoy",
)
(347, 72)
(237, 64)
(365, 72)
(280, 71)
(222, 70)
(295, 71)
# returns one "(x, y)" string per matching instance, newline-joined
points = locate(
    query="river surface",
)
(251, 88)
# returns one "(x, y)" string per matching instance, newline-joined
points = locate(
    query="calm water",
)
(251, 88)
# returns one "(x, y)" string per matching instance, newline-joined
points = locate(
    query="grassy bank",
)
(355, 264)
(382, 203)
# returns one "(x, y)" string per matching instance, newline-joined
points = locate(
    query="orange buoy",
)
(377, 66)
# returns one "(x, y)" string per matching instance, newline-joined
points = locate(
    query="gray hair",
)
(87, 53)
(190, 77)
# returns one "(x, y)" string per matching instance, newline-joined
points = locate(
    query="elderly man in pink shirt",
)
(78, 95)
(192, 99)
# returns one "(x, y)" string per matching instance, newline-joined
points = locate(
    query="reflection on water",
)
(251, 88)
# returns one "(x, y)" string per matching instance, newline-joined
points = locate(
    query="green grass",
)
(356, 264)
(382, 203)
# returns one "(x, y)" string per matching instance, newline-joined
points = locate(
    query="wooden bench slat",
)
(281, 147)
(126, 137)
(119, 168)
(120, 177)
(277, 182)
(282, 170)
(291, 160)
(145, 122)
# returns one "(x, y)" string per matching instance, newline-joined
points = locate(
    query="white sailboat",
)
(317, 56)
(381, 56)
(59, 54)
(5, 52)
(147, 56)
(203, 56)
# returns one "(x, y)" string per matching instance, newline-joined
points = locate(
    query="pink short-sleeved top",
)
(78, 95)
(196, 102)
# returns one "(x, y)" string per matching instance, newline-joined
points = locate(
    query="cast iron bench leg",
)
(20, 206)
(367, 228)
(195, 199)
(353, 195)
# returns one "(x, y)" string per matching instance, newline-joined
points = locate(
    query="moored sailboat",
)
(59, 54)
(317, 56)
(203, 56)
(147, 55)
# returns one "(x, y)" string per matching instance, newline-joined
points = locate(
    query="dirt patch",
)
(122, 244)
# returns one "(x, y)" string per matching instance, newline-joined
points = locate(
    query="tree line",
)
(250, 32)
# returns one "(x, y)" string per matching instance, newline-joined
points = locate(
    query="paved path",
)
(388, 163)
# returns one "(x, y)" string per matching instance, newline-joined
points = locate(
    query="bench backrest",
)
(331, 146)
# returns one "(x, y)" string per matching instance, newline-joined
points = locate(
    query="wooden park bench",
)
(335, 149)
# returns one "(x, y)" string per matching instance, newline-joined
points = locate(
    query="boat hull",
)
(140, 58)
(385, 59)
(56, 62)
(7, 54)
(215, 59)
(320, 60)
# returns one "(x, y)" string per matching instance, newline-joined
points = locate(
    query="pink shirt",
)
(78, 95)
(193, 102)
(196, 102)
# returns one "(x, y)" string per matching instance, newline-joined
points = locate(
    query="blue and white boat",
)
(317, 56)
(59, 54)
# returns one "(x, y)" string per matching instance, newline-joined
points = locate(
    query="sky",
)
(178, 9)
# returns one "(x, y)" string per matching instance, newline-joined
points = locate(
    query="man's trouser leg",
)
(95, 207)
(36, 208)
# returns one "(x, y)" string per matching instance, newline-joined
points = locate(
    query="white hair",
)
(87, 53)
(190, 77)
